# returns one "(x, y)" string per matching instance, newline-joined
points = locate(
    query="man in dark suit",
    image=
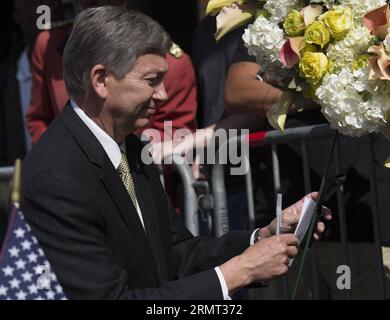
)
(99, 212)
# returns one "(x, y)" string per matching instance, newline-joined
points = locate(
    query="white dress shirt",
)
(112, 149)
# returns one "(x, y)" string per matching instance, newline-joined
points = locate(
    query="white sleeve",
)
(222, 281)
(252, 241)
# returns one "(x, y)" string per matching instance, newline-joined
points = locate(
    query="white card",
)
(308, 208)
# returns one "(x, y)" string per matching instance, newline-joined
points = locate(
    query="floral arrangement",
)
(334, 52)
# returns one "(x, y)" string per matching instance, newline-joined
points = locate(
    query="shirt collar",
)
(110, 146)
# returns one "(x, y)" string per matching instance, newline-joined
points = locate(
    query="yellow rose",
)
(313, 66)
(294, 25)
(317, 33)
(338, 21)
(360, 62)
(307, 47)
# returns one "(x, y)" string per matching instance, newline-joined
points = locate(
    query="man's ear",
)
(98, 77)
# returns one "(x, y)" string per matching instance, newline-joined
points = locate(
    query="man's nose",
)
(160, 93)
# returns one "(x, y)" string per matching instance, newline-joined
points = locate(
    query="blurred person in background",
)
(246, 94)
(17, 42)
(48, 95)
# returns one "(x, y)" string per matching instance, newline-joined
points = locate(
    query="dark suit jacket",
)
(84, 219)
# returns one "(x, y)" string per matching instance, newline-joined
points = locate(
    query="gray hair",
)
(112, 36)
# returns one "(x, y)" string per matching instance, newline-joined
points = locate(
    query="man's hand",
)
(291, 218)
(264, 260)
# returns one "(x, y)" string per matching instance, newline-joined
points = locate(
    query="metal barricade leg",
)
(375, 220)
(313, 250)
(221, 218)
(249, 194)
(221, 215)
(342, 220)
(190, 197)
(277, 188)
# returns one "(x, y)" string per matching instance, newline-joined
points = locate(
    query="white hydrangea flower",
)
(343, 52)
(264, 39)
(343, 104)
(361, 7)
(278, 9)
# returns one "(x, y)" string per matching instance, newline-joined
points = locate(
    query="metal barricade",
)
(288, 136)
(221, 217)
(191, 207)
(6, 173)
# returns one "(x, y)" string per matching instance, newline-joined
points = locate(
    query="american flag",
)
(25, 273)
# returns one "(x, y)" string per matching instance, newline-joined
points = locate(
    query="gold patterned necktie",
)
(125, 174)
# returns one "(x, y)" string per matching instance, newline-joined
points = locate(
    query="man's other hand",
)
(264, 260)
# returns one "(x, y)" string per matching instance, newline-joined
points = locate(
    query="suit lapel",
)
(118, 193)
(122, 200)
(145, 201)
(112, 182)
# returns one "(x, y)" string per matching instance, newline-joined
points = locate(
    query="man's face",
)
(133, 100)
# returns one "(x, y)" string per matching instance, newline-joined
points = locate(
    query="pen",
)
(279, 213)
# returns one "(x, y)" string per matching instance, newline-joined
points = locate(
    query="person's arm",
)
(40, 113)
(245, 93)
(202, 137)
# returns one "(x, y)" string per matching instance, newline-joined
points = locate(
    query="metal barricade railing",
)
(221, 217)
(191, 207)
(376, 224)
(293, 135)
(6, 173)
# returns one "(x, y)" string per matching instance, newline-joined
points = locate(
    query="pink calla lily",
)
(379, 63)
(377, 21)
(289, 54)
